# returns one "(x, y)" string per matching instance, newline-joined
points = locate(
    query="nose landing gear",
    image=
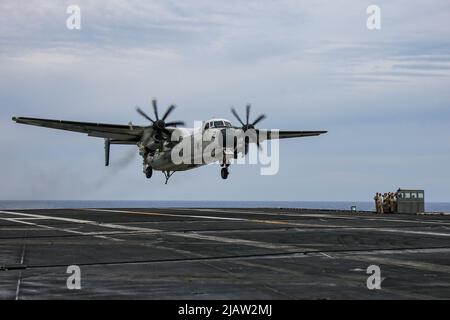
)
(224, 171)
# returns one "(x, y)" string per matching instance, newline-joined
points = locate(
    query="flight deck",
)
(218, 253)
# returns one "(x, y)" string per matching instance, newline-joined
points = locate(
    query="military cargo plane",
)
(157, 141)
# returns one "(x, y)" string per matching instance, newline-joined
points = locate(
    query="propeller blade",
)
(142, 113)
(257, 139)
(169, 110)
(247, 111)
(107, 151)
(237, 116)
(175, 123)
(260, 118)
(155, 109)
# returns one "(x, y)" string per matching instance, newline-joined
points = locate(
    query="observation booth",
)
(410, 201)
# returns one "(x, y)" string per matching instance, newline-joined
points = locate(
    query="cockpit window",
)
(217, 124)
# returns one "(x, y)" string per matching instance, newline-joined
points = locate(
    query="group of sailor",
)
(387, 202)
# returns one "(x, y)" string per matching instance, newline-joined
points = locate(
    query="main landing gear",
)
(224, 171)
(148, 172)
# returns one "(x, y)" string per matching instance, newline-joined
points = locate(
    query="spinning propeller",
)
(159, 125)
(247, 125)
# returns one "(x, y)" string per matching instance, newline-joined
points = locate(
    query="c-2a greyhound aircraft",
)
(156, 142)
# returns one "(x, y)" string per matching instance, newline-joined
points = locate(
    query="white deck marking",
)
(399, 251)
(220, 218)
(88, 222)
(62, 229)
(19, 280)
(139, 229)
(268, 213)
(391, 230)
(258, 244)
(327, 255)
(419, 265)
(166, 214)
(192, 235)
(26, 218)
(388, 230)
(321, 215)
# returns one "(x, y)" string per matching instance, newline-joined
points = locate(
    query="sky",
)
(383, 95)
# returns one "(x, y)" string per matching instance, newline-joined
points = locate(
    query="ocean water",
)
(337, 205)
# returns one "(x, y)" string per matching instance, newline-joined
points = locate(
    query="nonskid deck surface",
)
(231, 253)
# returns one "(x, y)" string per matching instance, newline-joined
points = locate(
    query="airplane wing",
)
(290, 134)
(117, 134)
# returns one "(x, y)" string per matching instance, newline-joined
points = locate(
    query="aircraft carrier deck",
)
(222, 254)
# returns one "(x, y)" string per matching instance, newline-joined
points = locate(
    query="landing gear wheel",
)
(148, 172)
(224, 173)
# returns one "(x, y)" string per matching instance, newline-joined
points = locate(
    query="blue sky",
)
(383, 95)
